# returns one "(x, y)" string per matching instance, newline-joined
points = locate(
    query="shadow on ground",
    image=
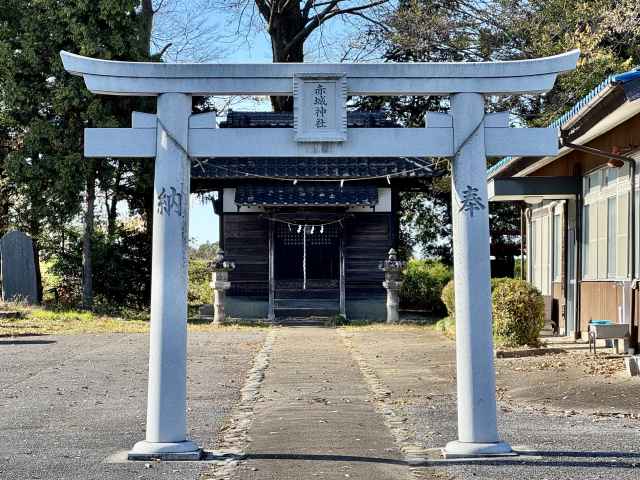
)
(15, 341)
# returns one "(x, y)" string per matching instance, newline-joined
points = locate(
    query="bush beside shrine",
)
(422, 283)
(518, 312)
(199, 291)
(449, 299)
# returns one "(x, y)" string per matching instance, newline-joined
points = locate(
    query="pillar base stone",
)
(145, 450)
(458, 449)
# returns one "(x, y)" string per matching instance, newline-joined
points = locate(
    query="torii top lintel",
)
(151, 79)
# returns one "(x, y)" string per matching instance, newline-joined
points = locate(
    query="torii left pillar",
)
(166, 436)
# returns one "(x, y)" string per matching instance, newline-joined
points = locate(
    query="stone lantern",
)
(392, 268)
(220, 283)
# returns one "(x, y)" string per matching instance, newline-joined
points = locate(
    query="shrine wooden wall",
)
(369, 236)
(246, 242)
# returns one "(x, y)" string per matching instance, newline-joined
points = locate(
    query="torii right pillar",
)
(476, 378)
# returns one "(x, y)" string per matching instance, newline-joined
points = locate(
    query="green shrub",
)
(495, 282)
(518, 313)
(449, 299)
(200, 292)
(422, 285)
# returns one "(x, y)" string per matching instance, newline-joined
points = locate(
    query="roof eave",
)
(518, 165)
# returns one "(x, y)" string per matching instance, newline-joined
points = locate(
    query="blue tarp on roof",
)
(628, 76)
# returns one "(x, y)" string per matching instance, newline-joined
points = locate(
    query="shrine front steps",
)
(306, 307)
(302, 321)
(294, 293)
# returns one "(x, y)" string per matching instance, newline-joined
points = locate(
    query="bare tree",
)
(184, 30)
(290, 23)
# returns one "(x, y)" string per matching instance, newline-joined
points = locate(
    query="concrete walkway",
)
(315, 418)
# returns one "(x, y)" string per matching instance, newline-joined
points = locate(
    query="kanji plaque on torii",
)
(320, 108)
(174, 135)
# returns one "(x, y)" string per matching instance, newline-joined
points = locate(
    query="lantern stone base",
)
(392, 268)
(458, 449)
(145, 450)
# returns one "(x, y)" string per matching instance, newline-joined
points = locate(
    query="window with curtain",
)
(606, 224)
(557, 247)
(533, 254)
(612, 209)
(540, 249)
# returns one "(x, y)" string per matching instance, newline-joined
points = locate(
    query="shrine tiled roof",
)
(237, 168)
(287, 167)
(286, 194)
(285, 120)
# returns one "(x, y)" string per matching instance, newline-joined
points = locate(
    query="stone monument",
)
(17, 268)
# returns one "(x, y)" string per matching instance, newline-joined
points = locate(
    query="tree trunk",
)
(5, 206)
(33, 229)
(283, 30)
(36, 262)
(87, 266)
(111, 203)
(112, 214)
(146, 26)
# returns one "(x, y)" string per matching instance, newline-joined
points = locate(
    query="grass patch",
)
(409, 320)
(50, 321)
(199, 325)
(447, 326)
(388, 327)
(40, 321)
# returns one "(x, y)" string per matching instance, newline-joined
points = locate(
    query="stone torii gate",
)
(174, 135)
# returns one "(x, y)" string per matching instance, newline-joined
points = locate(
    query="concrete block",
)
(632, 365)
(621, 345)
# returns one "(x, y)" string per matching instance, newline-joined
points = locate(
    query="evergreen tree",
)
(44, 110)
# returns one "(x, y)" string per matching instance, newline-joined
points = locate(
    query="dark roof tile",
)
(285, 194)
(312, 167)
(285, 120)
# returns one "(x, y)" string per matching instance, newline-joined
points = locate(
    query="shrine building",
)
(307, 235)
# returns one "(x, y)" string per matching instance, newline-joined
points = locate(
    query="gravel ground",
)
(418, 366)
(70, 402)
(576, 447)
